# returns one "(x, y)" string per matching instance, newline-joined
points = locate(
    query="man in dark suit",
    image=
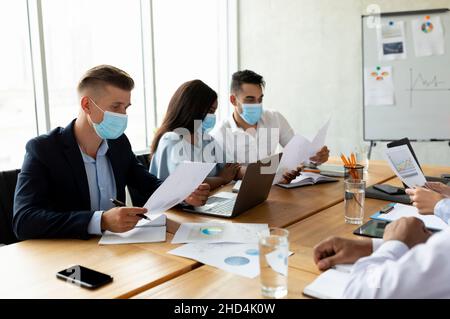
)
(70, 174)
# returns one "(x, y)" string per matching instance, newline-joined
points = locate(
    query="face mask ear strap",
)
(95, 104)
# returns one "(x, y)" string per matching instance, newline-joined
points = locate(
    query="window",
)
(17, 102)
(53, 42)
(80, 34)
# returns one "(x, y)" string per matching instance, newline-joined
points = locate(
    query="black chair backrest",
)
(8, 181)
(137, 198)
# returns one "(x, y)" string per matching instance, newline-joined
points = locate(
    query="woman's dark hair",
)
(191, 101)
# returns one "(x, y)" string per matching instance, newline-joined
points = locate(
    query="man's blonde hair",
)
(101, 75)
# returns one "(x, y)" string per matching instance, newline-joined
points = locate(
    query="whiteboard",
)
(421, 109)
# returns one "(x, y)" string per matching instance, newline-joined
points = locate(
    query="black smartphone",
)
(84, 277)
(373, 228)
(389, 189)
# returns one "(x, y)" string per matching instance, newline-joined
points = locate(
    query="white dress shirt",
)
(249, 146)
(395, 271)
(442, 209)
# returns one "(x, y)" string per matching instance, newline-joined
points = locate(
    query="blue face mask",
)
(251, 113)
(208, 122)
(112, 126)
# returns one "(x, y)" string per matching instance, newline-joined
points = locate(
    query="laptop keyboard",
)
(223, 206)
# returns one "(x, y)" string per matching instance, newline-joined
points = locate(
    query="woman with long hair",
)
(183, 135)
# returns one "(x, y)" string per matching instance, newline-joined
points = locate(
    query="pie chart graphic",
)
(427, 27)
(211, 231)
(252, 252)
(236, 261)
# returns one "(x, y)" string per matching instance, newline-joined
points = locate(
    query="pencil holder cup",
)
(355, 172)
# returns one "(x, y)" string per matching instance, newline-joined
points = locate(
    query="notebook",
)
(330, 284)
(308, 179)
(332, 170)
(145, 232)
(401, 210)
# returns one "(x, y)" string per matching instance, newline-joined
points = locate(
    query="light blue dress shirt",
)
(442, 209)
(102, 186)
(173, 149)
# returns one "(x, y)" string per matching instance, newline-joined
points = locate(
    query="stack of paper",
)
(232, 247)
(216, 232)
(169, 194)
(144, 232)
(401, 210)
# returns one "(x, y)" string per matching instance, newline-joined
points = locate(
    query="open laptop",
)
(254, 190)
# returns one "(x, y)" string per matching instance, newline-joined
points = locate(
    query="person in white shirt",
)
(184, 136)
(407, 263)
(432, 199)
(253, 133)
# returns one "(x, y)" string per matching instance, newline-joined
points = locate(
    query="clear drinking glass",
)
(354, 201)
(273, 262)
(362, 156)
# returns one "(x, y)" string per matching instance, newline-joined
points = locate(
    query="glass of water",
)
(362, 156)
(354, 201)
(273, 262)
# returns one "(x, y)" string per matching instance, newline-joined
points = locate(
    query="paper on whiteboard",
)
(404, 165)
(428, 36)
(378, 86)
(391, 40)
(216, 232)
(178, 186)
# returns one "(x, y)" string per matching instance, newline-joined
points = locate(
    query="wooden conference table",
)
(28, 269)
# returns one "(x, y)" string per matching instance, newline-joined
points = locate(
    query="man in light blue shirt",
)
(70, 174)
(102, 186)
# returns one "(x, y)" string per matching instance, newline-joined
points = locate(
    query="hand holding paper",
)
(178, 186)
(299, 150)
(404, 165)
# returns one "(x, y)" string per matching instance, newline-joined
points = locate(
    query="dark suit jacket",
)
(52, 193)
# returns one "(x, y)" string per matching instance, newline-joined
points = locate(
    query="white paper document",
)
(216, 232)
(330, 284)
(378, 86)
(144, 232)
(428, 36)
(278, 260)
(177, 187)
(299, 150)
(240, 259)
(401, 210)
(404, 165)
(391, 40)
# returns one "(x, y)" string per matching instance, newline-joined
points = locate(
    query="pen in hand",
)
(118, 203)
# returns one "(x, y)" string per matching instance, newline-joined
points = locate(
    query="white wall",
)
(309, 52)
